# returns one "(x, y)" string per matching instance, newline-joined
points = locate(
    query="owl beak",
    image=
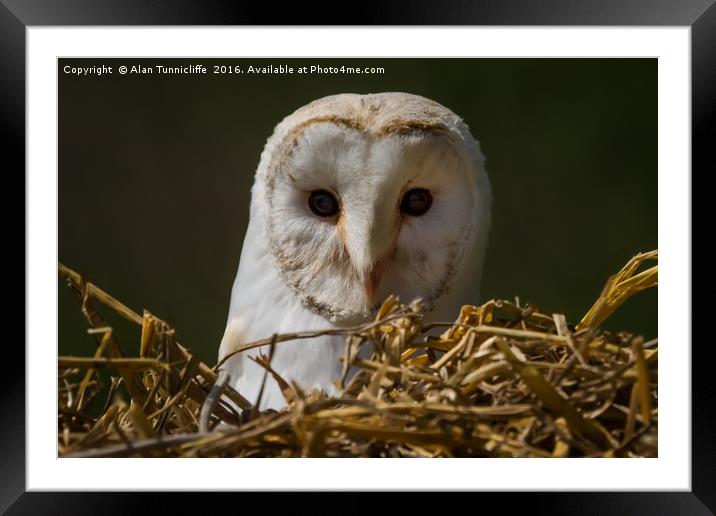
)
(370, 284)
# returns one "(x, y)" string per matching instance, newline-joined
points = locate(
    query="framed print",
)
(436, 236)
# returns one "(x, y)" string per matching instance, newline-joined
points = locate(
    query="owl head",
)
(363, 196)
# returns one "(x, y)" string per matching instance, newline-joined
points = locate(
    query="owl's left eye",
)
(416, 202)
(323, 203)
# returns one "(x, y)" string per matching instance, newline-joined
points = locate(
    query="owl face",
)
(365, 200)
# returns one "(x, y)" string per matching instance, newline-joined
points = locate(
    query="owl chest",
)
(312, 363)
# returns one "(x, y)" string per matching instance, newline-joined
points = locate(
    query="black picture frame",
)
(700, 15)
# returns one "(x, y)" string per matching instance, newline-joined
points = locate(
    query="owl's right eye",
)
(323, 203)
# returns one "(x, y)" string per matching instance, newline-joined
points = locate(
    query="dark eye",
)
(323, 203)
(416, 202)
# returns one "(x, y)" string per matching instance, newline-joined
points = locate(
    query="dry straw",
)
(503, 380)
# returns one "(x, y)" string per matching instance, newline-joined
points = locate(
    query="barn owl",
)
(356, 197)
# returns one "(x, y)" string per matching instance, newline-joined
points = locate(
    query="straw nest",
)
(502, 380)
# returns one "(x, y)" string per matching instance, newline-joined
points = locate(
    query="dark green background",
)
(155, 172)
